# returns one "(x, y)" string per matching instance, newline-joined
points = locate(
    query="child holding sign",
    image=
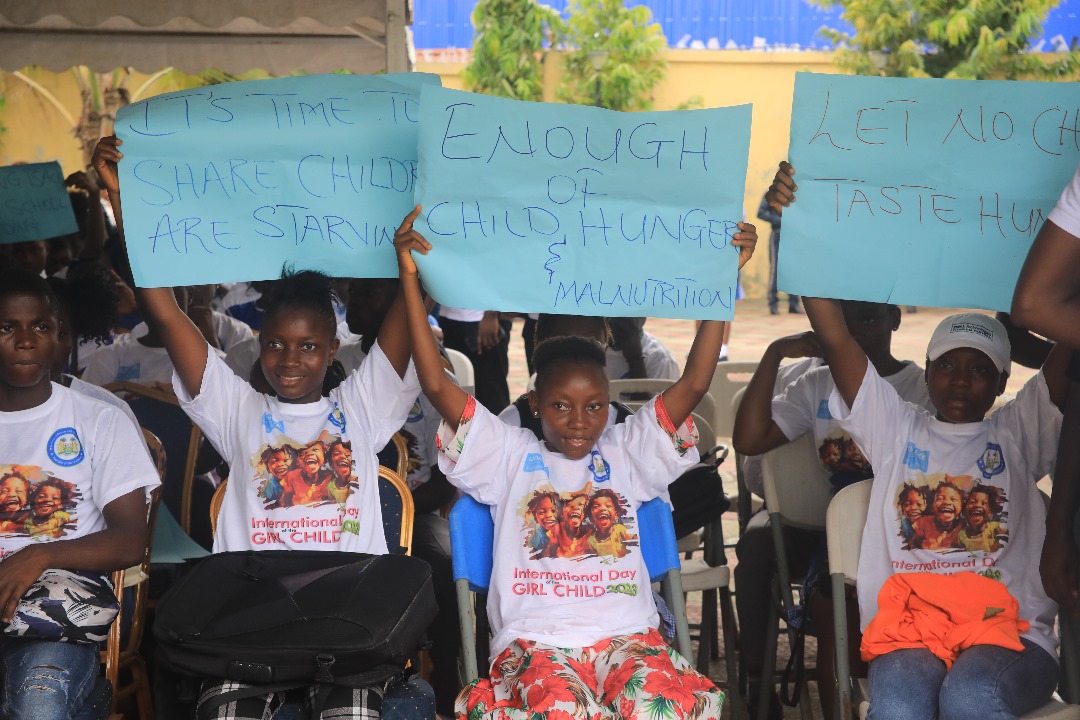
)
(583, 644)
(297, 345)
(959, 458)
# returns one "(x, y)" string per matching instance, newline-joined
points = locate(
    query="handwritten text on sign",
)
(34, 203)
(933, 189)
(228, 182)
(533, 207)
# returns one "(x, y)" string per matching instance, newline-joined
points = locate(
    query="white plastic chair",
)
(797, 494)
(844, 525)
(728, 379)
(620, 390)
(463, 369)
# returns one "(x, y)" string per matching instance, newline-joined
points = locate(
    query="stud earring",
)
(536, 414)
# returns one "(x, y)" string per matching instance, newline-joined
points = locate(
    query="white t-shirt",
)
(993, 465)
(461, 314)
(785, 375)
(61, 463)
(660, 364)
(128, 360)
(593, 588)
(804, 406)
(419, 431)
(1066, 215)
(103, 395)
(284, 492)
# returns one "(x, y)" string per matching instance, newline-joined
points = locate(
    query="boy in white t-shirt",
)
(953, 454)
(73, 490)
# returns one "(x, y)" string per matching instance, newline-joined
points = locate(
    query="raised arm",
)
(121, 544)
(1058, 565)
(1047, 296)
(394, 336)
(449, 399)
(846, 359)
(183, 341)
(755, 431)
(683, 396)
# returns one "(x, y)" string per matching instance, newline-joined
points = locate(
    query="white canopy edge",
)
(373, 37)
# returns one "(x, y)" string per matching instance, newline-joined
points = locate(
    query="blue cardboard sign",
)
(230, 181)
(34, 203)
(535, 207)
(922, 191)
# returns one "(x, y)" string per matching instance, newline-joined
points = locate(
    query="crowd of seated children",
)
(929, 503)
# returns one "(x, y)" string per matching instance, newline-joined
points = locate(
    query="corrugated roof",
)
(778, 24)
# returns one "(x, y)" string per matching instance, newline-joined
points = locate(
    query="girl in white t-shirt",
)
(977, 470)
(574, 629)
(306, 414)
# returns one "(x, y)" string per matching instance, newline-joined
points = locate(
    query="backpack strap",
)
(207, 710)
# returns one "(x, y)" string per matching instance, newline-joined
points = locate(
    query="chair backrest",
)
(796, 486)
(397, 511)
(396, 454)
(744, 502)
(161, 414)
(844, 523)
(633, 390)
(729, 378)
(396, 504)
(463, 368)
(472, 536)
(138, 577)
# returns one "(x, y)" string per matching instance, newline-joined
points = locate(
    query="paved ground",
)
(753, 330)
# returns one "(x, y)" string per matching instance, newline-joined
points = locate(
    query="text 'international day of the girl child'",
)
(923, 191)
(227, 182)
(538, 207)
(34, 204)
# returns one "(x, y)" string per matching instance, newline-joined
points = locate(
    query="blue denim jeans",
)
(46, 680)
(986, 682)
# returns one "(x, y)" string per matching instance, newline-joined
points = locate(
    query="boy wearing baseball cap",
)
(976, 474)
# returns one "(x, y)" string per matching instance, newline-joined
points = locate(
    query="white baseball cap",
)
(972, 330)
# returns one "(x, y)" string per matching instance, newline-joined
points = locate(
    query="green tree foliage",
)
(508, 47)
(632, 48)
(973, 39)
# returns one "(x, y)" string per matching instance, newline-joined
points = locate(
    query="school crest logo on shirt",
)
(127, 373)
(992, 461)
(599, 468)
(269, 424)
(65, 448)
(417, 413)
(915, 458)
(337, 418)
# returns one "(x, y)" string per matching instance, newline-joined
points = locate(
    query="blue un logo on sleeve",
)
(65, 448)
(823, 410)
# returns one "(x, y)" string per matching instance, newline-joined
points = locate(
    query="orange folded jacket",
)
(945, 614)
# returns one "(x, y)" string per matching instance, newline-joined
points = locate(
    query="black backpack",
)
(280, 619)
